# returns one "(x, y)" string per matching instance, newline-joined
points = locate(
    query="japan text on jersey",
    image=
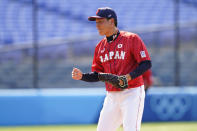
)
(113, 55)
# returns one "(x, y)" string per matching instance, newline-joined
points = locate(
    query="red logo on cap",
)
(97, 11)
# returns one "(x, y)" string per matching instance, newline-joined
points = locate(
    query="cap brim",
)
(93, 18)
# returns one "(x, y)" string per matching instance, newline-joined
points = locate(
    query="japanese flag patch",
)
(143, 54)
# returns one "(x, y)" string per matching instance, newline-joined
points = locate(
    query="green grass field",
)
(178, 126)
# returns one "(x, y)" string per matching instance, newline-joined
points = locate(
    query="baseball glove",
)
(114, 80)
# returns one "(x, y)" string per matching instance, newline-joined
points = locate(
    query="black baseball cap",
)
(104, 12)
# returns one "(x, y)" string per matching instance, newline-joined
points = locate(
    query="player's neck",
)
(113, 36)
(112, 32)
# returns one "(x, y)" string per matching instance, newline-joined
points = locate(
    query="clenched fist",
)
(77, 74)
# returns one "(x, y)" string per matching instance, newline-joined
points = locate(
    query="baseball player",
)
(120, 59)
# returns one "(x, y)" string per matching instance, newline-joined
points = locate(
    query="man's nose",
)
(97, 25)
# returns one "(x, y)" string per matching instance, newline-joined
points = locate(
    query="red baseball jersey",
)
(120, 57)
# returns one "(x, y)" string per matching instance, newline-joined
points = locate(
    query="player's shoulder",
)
(128, 34)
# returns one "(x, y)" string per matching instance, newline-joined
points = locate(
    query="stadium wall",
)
(82, 106)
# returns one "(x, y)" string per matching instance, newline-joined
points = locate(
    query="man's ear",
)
(112, 20)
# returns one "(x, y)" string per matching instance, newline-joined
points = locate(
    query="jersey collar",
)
(113, 37)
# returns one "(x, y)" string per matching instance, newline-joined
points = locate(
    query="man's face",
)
(103, 26)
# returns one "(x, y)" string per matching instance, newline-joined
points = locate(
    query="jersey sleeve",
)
(139, 49)
(96, 64)
(147, 76)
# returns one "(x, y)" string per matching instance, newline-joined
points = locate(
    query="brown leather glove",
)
(114, 80)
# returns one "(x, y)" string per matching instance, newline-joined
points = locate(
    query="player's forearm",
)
(143, 67)
(90, 77)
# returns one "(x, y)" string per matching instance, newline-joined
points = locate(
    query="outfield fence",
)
(82, 106)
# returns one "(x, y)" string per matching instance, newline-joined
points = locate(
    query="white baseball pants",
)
(122, 107)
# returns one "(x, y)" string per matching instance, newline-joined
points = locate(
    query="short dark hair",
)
(116, 23)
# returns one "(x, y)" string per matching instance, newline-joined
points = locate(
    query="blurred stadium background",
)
(42, 40)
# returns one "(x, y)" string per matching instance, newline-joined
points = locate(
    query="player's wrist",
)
(128, 76)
